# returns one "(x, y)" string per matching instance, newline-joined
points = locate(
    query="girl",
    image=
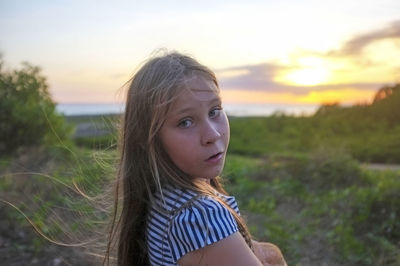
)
(174, 139)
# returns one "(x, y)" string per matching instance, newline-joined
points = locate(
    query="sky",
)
(286, 52)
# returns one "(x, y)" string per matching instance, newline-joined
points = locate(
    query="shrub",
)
(27, 112)
(331, 168)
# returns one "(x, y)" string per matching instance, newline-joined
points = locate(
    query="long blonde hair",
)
(144, 166)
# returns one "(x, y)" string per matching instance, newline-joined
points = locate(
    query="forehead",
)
(195, 92)
(199, 88)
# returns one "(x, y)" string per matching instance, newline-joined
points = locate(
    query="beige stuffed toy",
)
(269, 254)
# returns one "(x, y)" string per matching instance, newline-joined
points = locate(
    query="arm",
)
(268, 254)
(232, 250)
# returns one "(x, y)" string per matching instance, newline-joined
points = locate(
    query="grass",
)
(260, 136)
(308, 204)
(318, 207)
(45, 191)
(327, 204)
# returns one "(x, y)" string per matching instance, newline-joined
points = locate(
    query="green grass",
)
(328, 200)
(305, 203)
(49, 197)
(363, 139)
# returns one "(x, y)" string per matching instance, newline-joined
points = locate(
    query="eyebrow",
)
(187, 109)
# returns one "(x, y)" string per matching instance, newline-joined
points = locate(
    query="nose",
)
(210, 133)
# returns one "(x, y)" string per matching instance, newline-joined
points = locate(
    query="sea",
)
(75, 109)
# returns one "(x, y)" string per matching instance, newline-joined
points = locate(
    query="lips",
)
(215, 157)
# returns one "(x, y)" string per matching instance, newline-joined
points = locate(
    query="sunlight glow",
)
(304, 70)
(307, 76)
(310, 61)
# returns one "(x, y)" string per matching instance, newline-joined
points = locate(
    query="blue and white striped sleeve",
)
(205, 222)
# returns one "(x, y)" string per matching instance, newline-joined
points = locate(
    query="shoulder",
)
(207, 212)
(202, 222)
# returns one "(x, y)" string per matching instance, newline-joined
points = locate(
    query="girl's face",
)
(195, 134)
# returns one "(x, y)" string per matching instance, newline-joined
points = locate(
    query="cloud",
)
(261, 78)
(355, 46)
(254, 77)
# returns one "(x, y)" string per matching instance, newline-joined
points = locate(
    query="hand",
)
(269, 254)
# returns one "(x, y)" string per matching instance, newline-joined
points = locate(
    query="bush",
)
(27, 112)
(379, 207)
(332, 168)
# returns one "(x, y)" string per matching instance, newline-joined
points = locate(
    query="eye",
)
(185, 123)
(215, 112)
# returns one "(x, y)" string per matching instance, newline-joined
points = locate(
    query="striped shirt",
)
(186, 222)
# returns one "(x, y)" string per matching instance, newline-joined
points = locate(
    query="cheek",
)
(226, 129)
(183, 156)
(178, 148)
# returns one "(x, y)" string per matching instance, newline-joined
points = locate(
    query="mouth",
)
(215, 157)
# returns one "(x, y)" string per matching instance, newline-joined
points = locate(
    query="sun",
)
(304, 71)
(306, 76)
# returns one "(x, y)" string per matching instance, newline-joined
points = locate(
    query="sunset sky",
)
(262, 51)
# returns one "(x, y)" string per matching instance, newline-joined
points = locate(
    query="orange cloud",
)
(343, 96)
(346, 96)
